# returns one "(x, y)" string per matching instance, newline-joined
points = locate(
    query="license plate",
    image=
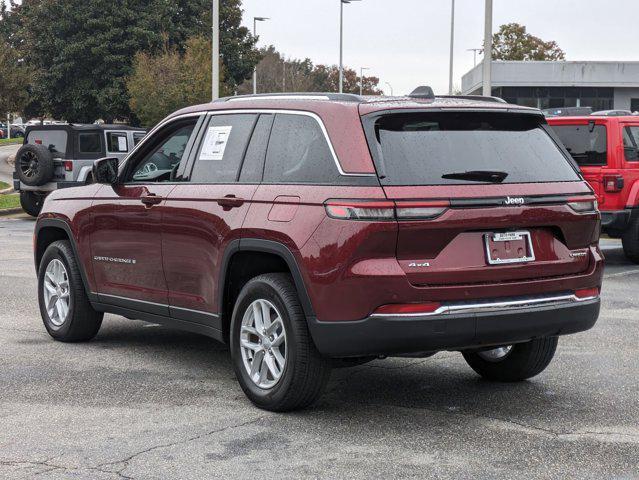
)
(509, 247)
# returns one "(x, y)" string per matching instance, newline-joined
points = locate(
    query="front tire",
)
(274, 357)
(513, 363)
(64, 306)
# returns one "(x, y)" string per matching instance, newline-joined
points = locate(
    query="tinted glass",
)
(89, 142)
(162, 161)
(117, 142)
(222, 148)
(54, 140)
(631, 144)
(253, 165)
(586, 143)
(298, 152)
(466, 147)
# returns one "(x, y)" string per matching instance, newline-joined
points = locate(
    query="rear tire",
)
(522, 361)
(31, 202)
(59, 275)
(630, 241)
(304, 373)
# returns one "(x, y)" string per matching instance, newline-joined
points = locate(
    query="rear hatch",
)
(481, 197)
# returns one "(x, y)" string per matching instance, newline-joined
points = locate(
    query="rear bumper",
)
(388, 335)
(615, 220)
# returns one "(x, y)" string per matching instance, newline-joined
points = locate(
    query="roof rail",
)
(481, 98)
(339, 97)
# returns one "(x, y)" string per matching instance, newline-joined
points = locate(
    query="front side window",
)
(586, 143)
(631, 143)
(298, 152)
(117, 142)
(54, 140)
(453, 148)
(222, 148)
(89, 142)
(160, 161)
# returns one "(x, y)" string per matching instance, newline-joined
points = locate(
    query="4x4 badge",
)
(514, 201)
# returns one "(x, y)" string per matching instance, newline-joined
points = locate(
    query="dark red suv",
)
(317, 230)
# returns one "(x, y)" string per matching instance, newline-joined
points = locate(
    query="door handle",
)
(230, 201)
(151, 199)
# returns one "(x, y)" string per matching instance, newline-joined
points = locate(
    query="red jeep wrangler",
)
(607, 151)
(307, 228)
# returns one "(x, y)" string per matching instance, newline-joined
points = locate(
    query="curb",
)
(6, 191)
(10, 211)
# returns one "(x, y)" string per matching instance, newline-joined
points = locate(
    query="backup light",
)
(583, 205)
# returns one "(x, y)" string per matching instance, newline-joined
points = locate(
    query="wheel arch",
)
(239, 265)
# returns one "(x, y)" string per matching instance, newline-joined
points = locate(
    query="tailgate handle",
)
(151, 199)
(230, 201)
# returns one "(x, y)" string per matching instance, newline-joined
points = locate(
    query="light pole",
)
(215, 50)
(361, 80)
(255, 20)
(474, 50)
(391, 88)
(452, 44)
(488, 48)
(341, 42)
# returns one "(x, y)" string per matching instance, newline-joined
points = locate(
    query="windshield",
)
(586, 143)
(452, 148)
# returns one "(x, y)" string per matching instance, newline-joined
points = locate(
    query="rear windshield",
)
(454, 148)
(586, 143)
(54, 140)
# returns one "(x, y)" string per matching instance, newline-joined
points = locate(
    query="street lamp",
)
(452, 43)
(361, 80)
(255, 20)
(488, 48)
(215, 50)
(391, 89)
(474, 50)
(341, 42)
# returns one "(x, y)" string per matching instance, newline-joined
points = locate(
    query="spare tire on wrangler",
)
(34, 165)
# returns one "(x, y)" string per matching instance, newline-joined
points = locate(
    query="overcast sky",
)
(406, 42)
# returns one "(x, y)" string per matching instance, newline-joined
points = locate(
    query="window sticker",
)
(122, 144)
(215, 143)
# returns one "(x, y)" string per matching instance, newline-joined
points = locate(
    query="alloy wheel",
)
(56, 292)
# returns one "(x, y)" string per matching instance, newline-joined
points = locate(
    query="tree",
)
(161, 84)
(276, 74)
(81, 52)
(512, 42)
(14, 86)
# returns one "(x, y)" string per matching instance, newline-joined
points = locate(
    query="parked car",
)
(607, 152)
(567, 111)
(322, 229)
(17, 131)
(62, 155)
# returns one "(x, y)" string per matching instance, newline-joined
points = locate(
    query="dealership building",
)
(555, 84)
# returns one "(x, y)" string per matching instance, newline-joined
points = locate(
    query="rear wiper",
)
(477, 176)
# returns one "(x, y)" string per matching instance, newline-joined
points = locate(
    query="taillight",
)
(613, 183)
(583, 205)
(360, 210)
(407, 308)
(68, 165)
(385, 209)
(587, 293)
(420, 210)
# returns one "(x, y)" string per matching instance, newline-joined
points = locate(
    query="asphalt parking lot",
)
(142, 401)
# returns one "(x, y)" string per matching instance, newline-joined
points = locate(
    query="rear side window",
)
(631, 143)
(586, 143)
(298, 152)
(222, 149)
(117, 142)
(466, 148)
(89, 142)
(54, 140)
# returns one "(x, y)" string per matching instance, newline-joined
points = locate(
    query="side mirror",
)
(105, 170)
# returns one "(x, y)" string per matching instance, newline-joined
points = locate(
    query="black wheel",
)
(513, 363)
(31, 202)
(64, 305)
(34, 164)
(274, 357)
(630, 241)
